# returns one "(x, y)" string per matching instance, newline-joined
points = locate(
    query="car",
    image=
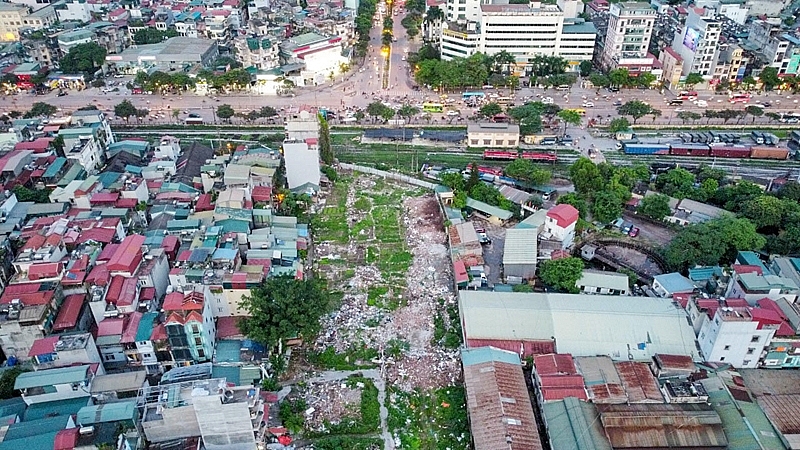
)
(634, 232)
(701, 103)
(547, 100)
(617, 103)
(61, 94)
(452, 113)
(588, 104)
(679, 110)
(119, 75)
(626, 227)
(483, 238)
(403, 58)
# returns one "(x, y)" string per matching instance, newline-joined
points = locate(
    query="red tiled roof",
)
(104, 197)
(564, 214)
(43, 346)
(102, 235)
(44, 270)
(194, 316)
(204, 203)
(175, 318)
(743, 268)
(737, 303)
(99, 276)
(127, 203)
(227, 327)
(108, 252)
(28, 299)
(37, 146)
(69, 312)
(767, 318)
(111, 327)
(128, 255)
(147, 293)
(768, 303)
(128, 294)
(159, 333)
(115, 289)
(554, 394)
(129, 335)
(170, 244)
(35, 242)
(262, 193)
(177, 301)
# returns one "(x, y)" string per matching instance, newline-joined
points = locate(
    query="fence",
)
(394, 176)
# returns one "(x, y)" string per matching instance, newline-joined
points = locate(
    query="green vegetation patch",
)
(429, 420)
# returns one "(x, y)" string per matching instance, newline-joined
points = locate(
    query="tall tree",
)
(569, 117)
(40, 109)
(585, 176)
(525, 169)
(769, 78)
(83, 58)
(654, 206)
(692, 79)
(606, 207)
(585, 68)
(325, 149)
(490, 110)
(562, 274)
(619, 124)
(619, 77)
(125, 109)
(711, 243)
(635, 108)
(283, 307)
(225, 112)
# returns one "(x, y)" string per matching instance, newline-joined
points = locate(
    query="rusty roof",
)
(783, 411)
(642, 426)
(674, 362)
(499, 406)
(638, 382)
(554, 364)
(607, 393)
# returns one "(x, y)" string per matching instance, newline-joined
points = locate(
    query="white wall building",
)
(560, 224)
(74, 10)
(302, 166)
(733, 337)
(630, 26)
(698, 43)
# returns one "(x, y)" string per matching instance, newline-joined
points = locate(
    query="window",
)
(746, 362)
(722, 358)
(727, 347)
(750, 351)
(487, 142)
(755, 339)
(201, 353)
(195, 328)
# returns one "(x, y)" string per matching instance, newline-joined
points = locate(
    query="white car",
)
(701, 103)
(452, 113)
(588, 104)
(547, 100)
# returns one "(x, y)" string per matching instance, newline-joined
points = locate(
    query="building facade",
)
(630, 26)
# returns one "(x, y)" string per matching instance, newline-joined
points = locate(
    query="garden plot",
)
(395, 275)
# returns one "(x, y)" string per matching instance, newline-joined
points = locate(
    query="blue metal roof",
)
(225, 254)
(674, 282)
(55, 167)
(472, 356)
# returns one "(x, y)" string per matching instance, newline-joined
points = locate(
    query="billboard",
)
(691, 38)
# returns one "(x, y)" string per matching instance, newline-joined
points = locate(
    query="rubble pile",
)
(330, 402)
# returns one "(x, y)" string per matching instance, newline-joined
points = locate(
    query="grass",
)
(331, 223)
(446, 327)
(429, 420)
(368, 420)
(348, 443)
(355, 358)
(376, 293)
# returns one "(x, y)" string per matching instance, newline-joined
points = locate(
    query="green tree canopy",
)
(490, 110)
(606, 207)
(125, 109)
(585, 68)
(561, 274)
(7, 381)
(40, 109)
(225, 112)
(677, 182)
(325, 149)
(619, 124)
(635, 108)
(575, 200)
(585, 176)
(283, 307)
(654, 206)
(711, 243)
(527, 170)
(769, 78)
(693, 79)
(83, 58)
(764, 211)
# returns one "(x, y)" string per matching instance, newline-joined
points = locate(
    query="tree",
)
(376, 109)
(453, 180)
(490, 110)
(646, 79)
(764, 211)
(152, 36)
(569, 117)
(769, 78)
(732, 197)
(407, 111)
(754, 111)
(562, 274)
(619, 77)
(32, 195)
(599, 80)
(689, 115)
(545, 66)
(677, 182)
(790, 191)
(267, 112)
(585, 68)
(83, 58)
(40, 109)
(325, 149)
(636, 109)
(525, 169)
(711, 243)
(606, 207)
(7, 381)
(575, 200)
(125, 109)
(283, 307)
(692, 79)
(585, 176)
(728, 114)
(656, 113)
(474, 178)
(619, 124)
(58, 144)
(225, 112)
(654, 206)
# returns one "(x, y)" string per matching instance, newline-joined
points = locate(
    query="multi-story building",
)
(698, 44)
(55, 384)
(190, 326)
(11, 21)
(496, 135)
(630, 26)
(732, 63)
(672, 67)
(525, 31)
(774, 47)
(261, 53)
(74, 10)
(67, 350)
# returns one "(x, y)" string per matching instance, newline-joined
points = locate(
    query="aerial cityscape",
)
(399, 224)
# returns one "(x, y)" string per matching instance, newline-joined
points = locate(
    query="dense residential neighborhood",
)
(405, 224)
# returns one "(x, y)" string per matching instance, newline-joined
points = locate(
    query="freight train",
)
(509, 155)
(707, 151)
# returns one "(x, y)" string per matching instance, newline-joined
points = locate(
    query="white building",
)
(698, 44)
(74, 10)
(302, 166)
(319, 57)
(560, 224)
(769, 8)
(604, 283)
(734, 337)
(669, 284)
(55, 384)
(630, 26)
(168, 148)
(525, 31)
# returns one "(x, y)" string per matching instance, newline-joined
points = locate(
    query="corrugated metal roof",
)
(639, 383)
(554, 364)
(488, 209)
(521, 246)
(610, 280)
(783, 411)
(582, 325)
(501, 415)
(689, 426)
(52, 377)
(107, 412)
(574, 425)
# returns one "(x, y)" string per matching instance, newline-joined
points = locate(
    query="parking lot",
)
(649, 232)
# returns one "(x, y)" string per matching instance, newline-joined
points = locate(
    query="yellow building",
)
(12, 18)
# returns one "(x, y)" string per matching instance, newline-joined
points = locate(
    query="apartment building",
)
(698, 44)
(525, 31)
(630, 27)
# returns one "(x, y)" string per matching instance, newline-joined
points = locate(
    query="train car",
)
(730, 151)
(645, 149)
(689, 149)
(497, 154)
(485, 169)
(761, 152)
(539, 156)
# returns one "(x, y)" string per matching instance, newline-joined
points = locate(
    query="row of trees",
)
(363, 25)
(177, 82)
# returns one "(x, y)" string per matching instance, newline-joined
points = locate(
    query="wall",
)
(63, 392)
(391, 175)
(730, 342)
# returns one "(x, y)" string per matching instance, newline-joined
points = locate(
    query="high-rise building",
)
(698, 44)
(630, 26)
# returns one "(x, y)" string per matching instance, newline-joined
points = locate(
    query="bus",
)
(504, 100)
(789, 118)
(580, 111)
(433, 107)
(194, 120)
(687, 95)
(473, 95)
(740, 98)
